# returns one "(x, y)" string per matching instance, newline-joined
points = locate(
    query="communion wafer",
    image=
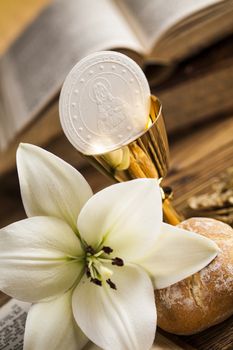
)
(104, 102)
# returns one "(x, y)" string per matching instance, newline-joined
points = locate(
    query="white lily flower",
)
(90, 263)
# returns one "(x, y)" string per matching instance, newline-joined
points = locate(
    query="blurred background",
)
(185, 49)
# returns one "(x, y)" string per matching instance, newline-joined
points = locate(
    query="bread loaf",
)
(205, 298)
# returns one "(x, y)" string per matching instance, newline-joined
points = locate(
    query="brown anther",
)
(107, 250)
(117, 262)
(90, 250)
(88, 273)
(111, 284)
(96, 281)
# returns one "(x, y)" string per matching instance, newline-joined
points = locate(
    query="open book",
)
(32, 71)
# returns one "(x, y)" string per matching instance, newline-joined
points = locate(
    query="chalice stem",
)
(170, 214)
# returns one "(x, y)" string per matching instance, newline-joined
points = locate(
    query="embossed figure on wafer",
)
(104, 102)
(112, 110)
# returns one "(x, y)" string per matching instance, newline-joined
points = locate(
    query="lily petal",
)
(125, 216)
(178, 254)
(51, 325)
(36, 258)
(117, 319)
(49, 186)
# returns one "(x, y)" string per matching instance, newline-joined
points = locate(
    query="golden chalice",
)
(144, 156)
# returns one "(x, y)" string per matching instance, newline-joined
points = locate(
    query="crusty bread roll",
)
(205, 298)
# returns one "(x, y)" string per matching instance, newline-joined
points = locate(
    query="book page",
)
(33, 70)
(191, 36)
(12, 323)
(152, 18)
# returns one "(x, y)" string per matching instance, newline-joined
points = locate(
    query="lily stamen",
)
(96, 269)
(107, 250)
(96, 281)
(89, 250)
(118, 262)
(111, 284)
(99, 253)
